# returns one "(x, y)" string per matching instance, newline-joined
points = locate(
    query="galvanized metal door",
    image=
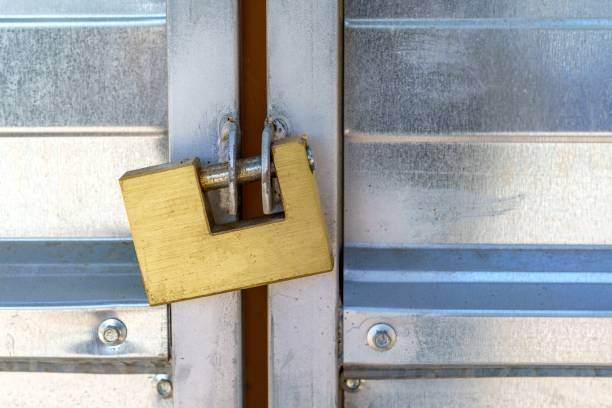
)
(477, 210)
(82, 99)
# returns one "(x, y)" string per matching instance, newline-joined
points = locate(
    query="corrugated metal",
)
(471, 123)
(82, 99)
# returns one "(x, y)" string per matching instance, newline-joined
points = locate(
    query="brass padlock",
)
(181, 253)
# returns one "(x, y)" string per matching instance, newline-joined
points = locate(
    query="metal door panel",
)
(477, 219)
(483, 392)
(72, 188)
(404, 190)
(63, 390)
(83, 88)
(303, 84)
(78, 74)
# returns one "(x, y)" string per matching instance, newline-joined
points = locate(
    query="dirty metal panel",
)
(414, 190)
(480, 338)
(57, 334)
(477, 221)
(82, 75)
(465, 66)
(63, 390)
(483, 393)
(63, 182)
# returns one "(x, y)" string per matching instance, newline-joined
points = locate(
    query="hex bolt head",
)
(381, 337)
(164, 386)
(352, 384)
(112, 332)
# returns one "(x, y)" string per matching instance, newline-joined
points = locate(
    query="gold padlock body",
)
(182, 257)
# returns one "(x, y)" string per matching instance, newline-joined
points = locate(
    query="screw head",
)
(112, 332)
(381, 337)
(164, 386)
(352, 384)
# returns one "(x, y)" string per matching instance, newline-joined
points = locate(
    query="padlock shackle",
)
(216, 175)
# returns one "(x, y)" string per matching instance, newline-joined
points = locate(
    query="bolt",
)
(352, 384)
(381, 337)
(164, 386)
(112, 332)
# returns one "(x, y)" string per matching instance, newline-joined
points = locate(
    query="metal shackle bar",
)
(216, 175)
(234, 171)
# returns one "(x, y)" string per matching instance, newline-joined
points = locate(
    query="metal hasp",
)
(183, 255)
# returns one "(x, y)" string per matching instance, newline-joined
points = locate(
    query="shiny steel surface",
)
(435, 338)
(229, 148)
(266, 170)
(54, 334)
(83, 75)
(410, 190)
(215, 176)
(441, 66)
(202, 87)
(483, 393)
(477, 185)
(69, 273)
(67, 390)
(41, 198)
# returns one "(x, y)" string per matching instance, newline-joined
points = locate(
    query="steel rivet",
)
(112, 332)
(352, 384)
(164, 386)
(381, 337)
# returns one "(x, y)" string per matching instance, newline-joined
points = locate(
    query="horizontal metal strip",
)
(425, 339)
(479, 264)
(61, 273)
(481, 137)
(71, 8)
(62, 390)
(375, 373)
(91, 366)
(29, 334)
(481, 23)
(563, 392)
(81, 21)
(85, 131)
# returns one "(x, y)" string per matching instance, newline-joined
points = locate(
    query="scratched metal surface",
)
(483, 393)
(68, 390)
(474, 122)
(82, 99)
(82, 69)
(475, 66)
(477, 145)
